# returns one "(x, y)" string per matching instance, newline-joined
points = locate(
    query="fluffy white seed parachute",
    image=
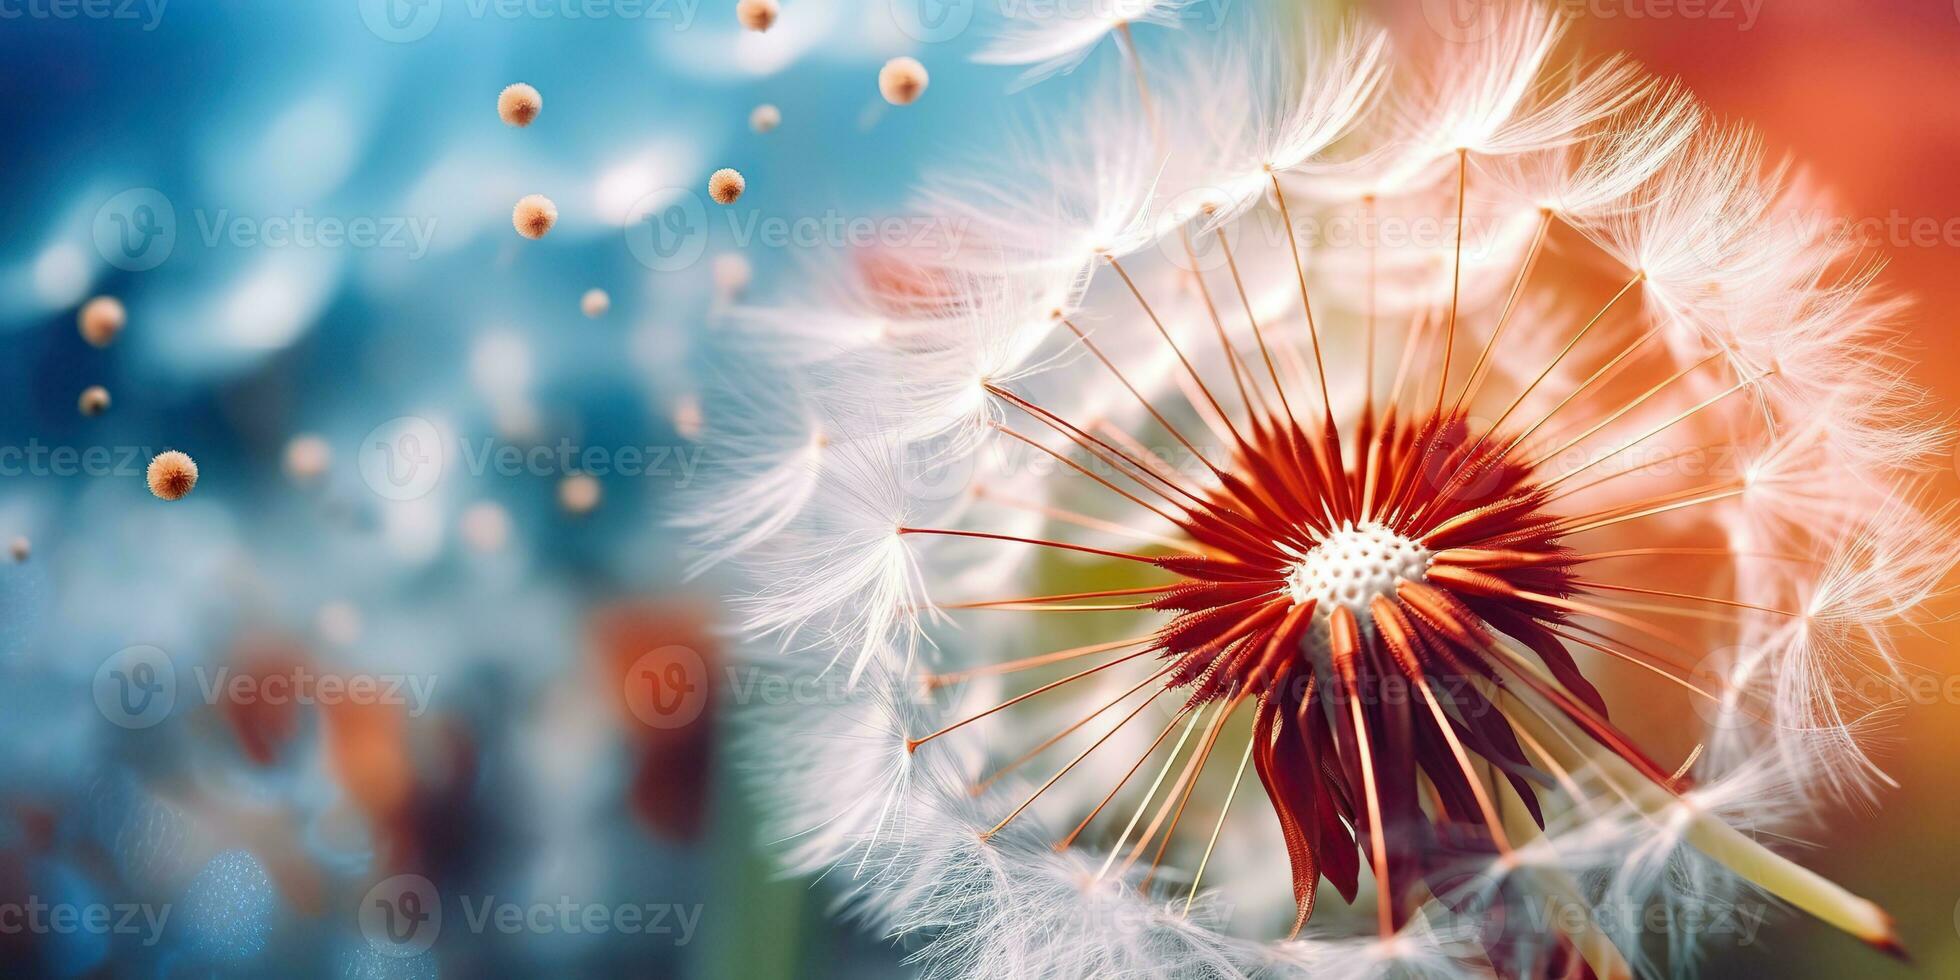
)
(952, 479)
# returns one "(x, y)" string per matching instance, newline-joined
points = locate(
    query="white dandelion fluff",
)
(1526, 561)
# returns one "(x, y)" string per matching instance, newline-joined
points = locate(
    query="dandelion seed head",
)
(578, 494)
(902, 80)
(485, 527)
(101, 320)
(725, 186)
(94, 400)
(307, 458)
(171, 475)
(519, 104)
(1364, 516)
(20, 548)
(534, 215)
(758, 15)
(595, 303)
(765, 118)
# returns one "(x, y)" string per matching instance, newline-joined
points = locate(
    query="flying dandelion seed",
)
(725, 186)
(578, 494)
(732, 274)
(594, 303)
(93, 401)
(1405, 536)
(519, 104)
(534, 215)
(172, 475)
(20, 549)
(307, 458)
(765, 118)
(757, 15)
(339, 623)
(687, 417)
(101, 320)
(486, 526)
(902, 80)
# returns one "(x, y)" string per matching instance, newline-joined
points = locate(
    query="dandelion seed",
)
(20, 549)
(486, 526)
(732, 274)
(339, 623)
(1368, 519)
(172, 475)
(725, 186)
(902, 80)
(595, 303)
(765, 118)
(578, 494)
(687, 417)
(101, 320)
(534, 215)
(307, 458)
(757, 15)
(94, 400)
(519, 104)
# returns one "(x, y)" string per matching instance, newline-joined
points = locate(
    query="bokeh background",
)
(402, 682)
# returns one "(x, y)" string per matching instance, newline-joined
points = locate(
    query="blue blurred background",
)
(378, 672)
(358, 706)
